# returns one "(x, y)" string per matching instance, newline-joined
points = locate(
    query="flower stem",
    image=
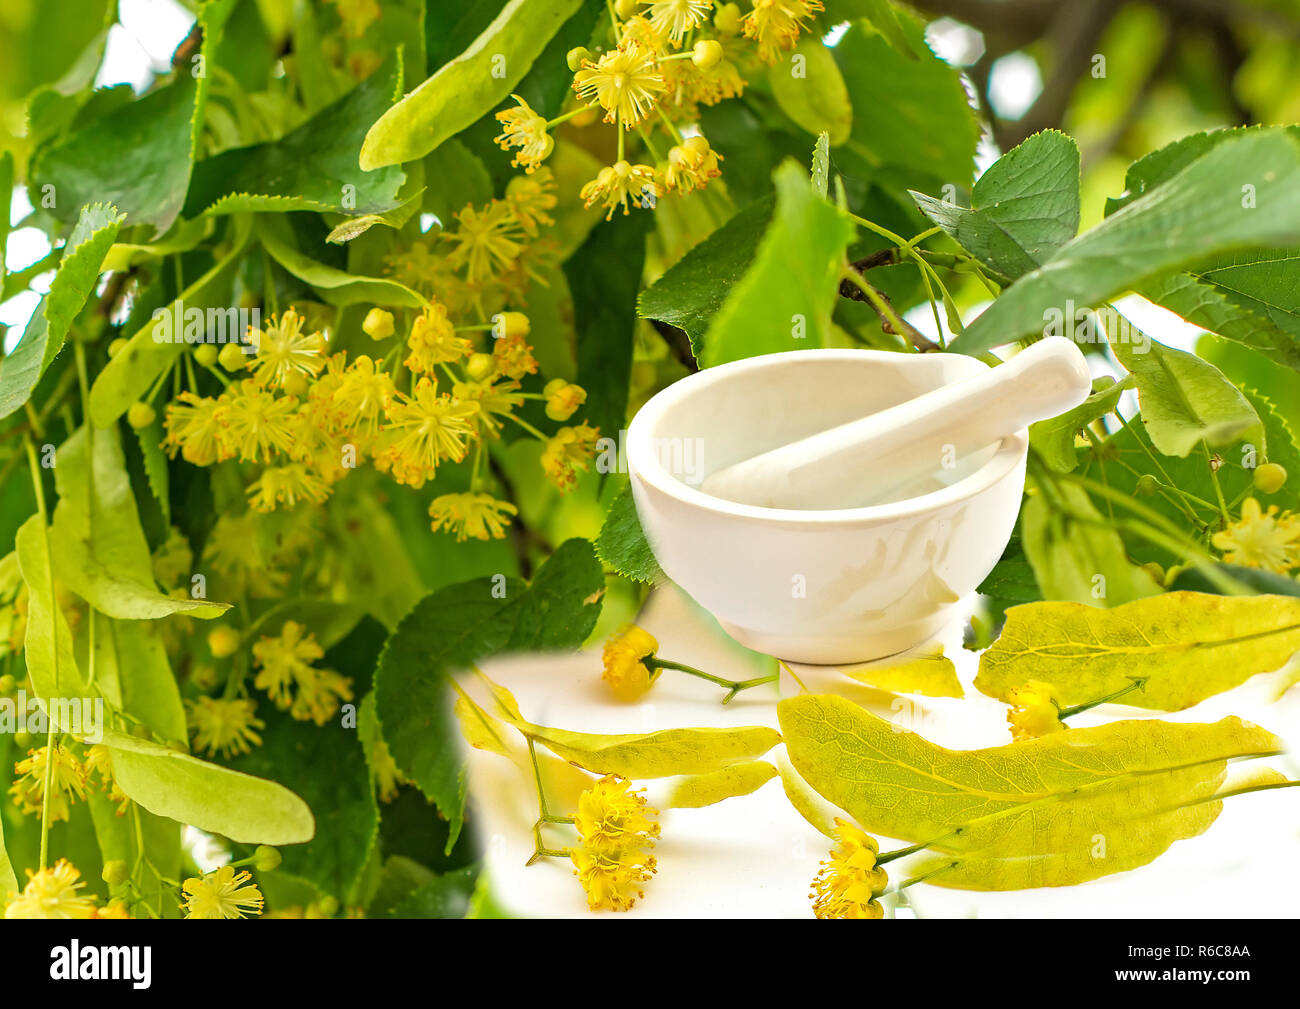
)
(734, 686)
(1138, 683)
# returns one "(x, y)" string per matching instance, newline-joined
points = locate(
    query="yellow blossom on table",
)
(624, 658)
(225, 727)
(625, 81)
(362, 393)
(255, 425)
(495, 398)
(434, 341)
(530, 198)
(192, 426)
(486, 241)
(424, 429)
(614, 185)
(675, 18)
(67, 783)
(290, 485)
(223, 893)
(525, 129)
(616, 829)
(850, 880)
(1033, 712)
(471, 516)
(691, 165)
(284, 351)
(563, 398)
(52, 893)
(775, 25)
(514, 355)
(1261, 539)
(571, 449)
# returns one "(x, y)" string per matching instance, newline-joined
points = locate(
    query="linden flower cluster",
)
(849, 882)
(1266, 539)
(669, 57)
(616, 830)
(52, 893)
(69, 778)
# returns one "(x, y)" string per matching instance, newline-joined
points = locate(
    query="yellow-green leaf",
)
(1043, 812)
(1188, 646)
(657, 754)
(48, 640)
(706, 789)
(216, 799)
(810, 89)
(928, 672)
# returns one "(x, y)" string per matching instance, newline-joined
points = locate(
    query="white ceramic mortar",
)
(833, 586)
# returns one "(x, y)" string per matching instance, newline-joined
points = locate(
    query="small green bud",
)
(206, 354)
(481, 366)
(329, 906)
(1147, 484)
(1269, 478)
(378, 324)
(577, 57)
(232, 357)
(266, 858)
(115, 872)
(7, 684)
(140, 415)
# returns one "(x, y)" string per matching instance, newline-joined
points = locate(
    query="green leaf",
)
(786, 297)
(728, 783)
(132, 670)
(456, 177)
(910, 115)
(173, 784)
(140, 156)
(469, 86)
(444, 896)
(1053, 439)
(313, 167)
(622, 544)
(809, 88)
(155, 466)
(693, 289)
(1023, 209)
(1178, 223)
(821, 164)
(47, 644)
(129, 374)
(462, 624)
(42, 340)
(1029, 813)
(1264, 582)
(335, 286)
(1075, 554)
(98, 546)
(8, 880)
(1184, 399)
(1188, 645)
(604, 276)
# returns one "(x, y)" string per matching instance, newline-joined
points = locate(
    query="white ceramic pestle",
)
(872, 459)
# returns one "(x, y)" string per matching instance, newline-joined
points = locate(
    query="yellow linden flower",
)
(624, 670)
(362, 393)
(513, 354)
(530, 198)
(255, 425)
(690, 166)
(357, 15)
(222, 894)
(99, 760)
(320, 691)
(626, 81)
(615, 184)
(525, 129)
(616, 829)
(569, 450)
(52, 893)
(849, 881)
(472, 516)
(283, 351)
(225, 727)
(290, 484)
(284, 659)
(424, 429)
(1033, 713)
(67, 782)
(1261, 539)
(563, 398)
(676, 17)
(388, 776)
(434, 341)
(494, 398)
(192, 426)
(640, 30)
(485, 242)
(775, 25)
